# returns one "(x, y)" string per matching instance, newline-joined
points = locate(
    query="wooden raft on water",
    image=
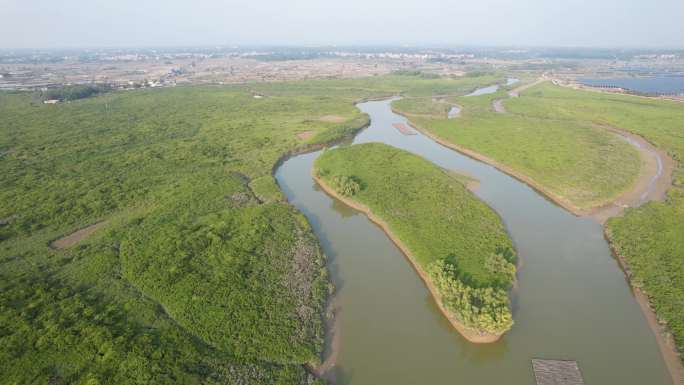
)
(556, 372)
(404, 129)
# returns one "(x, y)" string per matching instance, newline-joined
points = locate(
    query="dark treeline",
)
(75, 92)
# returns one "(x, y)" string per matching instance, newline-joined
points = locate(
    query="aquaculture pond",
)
(572, 300)
(648, 84)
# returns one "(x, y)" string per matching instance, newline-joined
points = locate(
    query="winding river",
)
(572, 301)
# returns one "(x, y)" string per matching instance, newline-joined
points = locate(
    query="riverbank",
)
(560, 201)
(664, 337)
(469, 334)
(653, 182)
(497, 104)
(392, 330)
(655, 175)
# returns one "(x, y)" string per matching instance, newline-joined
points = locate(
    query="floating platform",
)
(556, 372)
(404, 129)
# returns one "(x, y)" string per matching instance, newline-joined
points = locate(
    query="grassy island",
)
(456, 242)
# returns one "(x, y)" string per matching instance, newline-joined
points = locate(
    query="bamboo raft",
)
(404, 129)
(557, 372)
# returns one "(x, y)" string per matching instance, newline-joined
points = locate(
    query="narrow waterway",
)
(572, 301)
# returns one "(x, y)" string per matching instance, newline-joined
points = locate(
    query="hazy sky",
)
(94, 23)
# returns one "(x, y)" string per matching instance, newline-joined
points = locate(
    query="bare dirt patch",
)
(332, 118)
(655, 177)
(306, 135)
(498, 106)
(77, 236)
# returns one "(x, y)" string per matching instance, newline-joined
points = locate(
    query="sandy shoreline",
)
(655, 177)
(468, 333)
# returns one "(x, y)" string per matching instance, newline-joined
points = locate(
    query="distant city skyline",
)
(156, 23)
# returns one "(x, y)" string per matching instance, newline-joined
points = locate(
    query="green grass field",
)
(650, 238)
(659, 121)
(202, 274)
(452, 235)
(578, 163)
(422, 107)
(553, 134)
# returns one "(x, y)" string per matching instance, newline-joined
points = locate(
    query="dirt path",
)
(332, 118)
(497, 104)
(77, 236)
(514, 93)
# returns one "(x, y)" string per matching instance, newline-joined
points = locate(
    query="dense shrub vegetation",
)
(456, 239)
(483, 308)
(201, 273)
(345, 185)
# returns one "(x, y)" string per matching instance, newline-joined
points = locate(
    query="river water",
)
(572, 301)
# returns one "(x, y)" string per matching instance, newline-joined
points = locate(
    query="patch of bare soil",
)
(77, 236)
(332, 118)
(498, 106)
(655, 177)
(8, 220)
(306, 135)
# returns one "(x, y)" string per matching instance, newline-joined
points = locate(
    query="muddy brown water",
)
(572, 301)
